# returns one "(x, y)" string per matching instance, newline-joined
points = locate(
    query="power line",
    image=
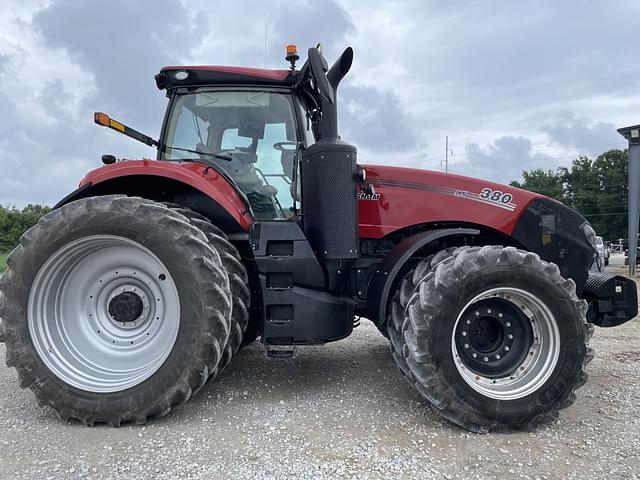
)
(538, 160)
(592, 145)
(548, 158)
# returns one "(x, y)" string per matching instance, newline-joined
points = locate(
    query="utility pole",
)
(446, 153)
(632, 134)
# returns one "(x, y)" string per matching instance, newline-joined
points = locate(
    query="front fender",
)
(400, 260)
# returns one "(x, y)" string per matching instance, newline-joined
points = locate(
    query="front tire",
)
(494, 338)
(114, 309)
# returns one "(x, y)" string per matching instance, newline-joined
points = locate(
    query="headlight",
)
(590, 235)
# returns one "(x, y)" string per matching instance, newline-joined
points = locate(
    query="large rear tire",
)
(238, 280)
(114, 309)
(495, 338)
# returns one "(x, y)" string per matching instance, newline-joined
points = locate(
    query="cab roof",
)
(201, 75)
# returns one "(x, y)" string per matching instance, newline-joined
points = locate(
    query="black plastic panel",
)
(316, 317)
(280, 313)
(554, 231)
(280, 280)
(296, 307)
(329, 200)
(281, 247)
(277, 248)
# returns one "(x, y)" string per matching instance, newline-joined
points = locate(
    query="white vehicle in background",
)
(603, 251)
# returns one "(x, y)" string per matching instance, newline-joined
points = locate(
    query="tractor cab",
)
(250, 135)
(253, 125)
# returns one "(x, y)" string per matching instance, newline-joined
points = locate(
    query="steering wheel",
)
(280, 146)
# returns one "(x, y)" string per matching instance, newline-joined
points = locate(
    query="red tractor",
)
(255, 220)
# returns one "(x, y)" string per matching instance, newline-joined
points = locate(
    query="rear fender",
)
(193, 185)
(402, 258)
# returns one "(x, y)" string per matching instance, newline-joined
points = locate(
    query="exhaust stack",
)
(329, 175)
(329, 92)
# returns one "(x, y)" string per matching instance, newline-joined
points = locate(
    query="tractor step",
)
(280, 351)
(297, 308)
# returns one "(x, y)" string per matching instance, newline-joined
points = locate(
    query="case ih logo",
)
(368, 196)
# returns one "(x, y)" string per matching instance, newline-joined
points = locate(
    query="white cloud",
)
(547, 80)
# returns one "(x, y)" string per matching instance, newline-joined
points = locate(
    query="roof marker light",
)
(181, 75)
(292, 55)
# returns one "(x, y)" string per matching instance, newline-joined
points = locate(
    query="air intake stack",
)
(329, 171)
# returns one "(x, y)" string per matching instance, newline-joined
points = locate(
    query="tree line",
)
(598, 189)
(14, 221)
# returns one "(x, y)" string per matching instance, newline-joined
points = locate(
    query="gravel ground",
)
(338, 411)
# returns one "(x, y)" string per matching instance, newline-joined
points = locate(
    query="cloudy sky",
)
(515, 85)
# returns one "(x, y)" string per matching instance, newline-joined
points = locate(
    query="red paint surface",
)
(210, 183)
(251, 72)
(400, 207)
(408, 202)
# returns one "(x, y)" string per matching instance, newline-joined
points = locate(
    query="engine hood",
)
(393, 198)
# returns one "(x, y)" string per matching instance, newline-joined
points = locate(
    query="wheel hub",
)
(486, 335)
(493, 337)
(126, 307)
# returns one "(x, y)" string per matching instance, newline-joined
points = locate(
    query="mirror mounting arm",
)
(103, 119)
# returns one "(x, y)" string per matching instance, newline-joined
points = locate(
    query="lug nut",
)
(510, 337)
(486, 359)
(477, 314)
(466, 345)
(498, 356)
(474, 355)
(488, 310)
(507, 348)
(508, 324)
(464, 334)
(499, 315)
(468, 322)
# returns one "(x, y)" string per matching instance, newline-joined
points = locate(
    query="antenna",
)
(266, 28)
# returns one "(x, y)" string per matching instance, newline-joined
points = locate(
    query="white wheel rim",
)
(70, 324)
(540, 361)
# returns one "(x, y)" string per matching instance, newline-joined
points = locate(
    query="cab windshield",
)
(249, 135)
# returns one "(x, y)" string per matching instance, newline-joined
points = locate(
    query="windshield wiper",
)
(221, 155)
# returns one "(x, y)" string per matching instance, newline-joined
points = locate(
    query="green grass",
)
(3, 261)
